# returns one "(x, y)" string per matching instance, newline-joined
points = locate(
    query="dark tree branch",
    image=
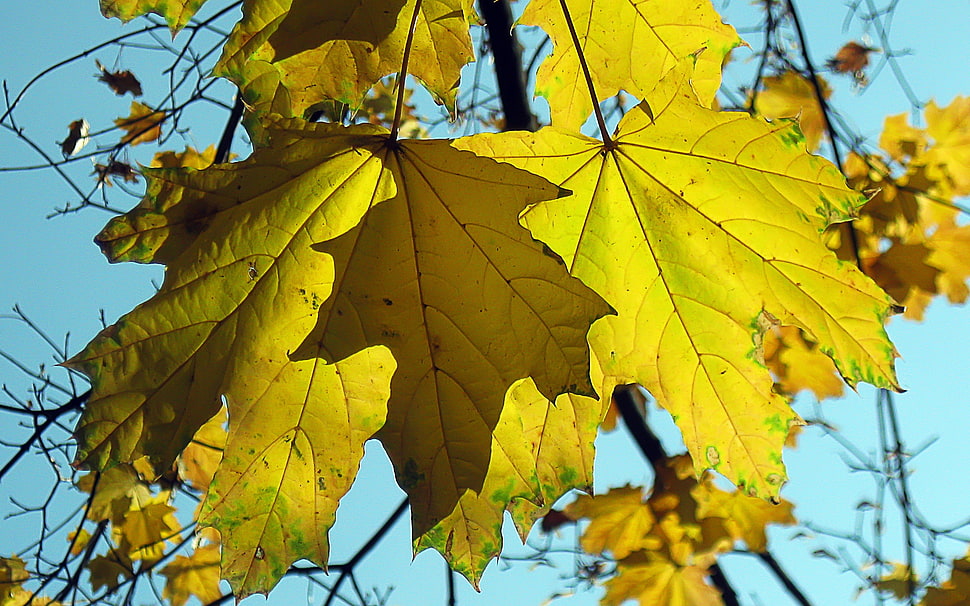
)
(508, 65)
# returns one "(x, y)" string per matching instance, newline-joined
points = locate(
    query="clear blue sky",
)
(58, 276)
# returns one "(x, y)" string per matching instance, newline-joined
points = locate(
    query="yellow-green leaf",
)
(159, 372)
(540, 450)
(438, 270)
(293, 452)
(644, 39)
(175, 12)
(702, 229)
(338, 50)
(468, 302)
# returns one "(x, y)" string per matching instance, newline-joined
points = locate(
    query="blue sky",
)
(51, 268)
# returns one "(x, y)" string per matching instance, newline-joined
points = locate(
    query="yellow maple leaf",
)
(142, 125)
(338, 50)
(646, 40)
(679, 236)
(745, 517)
(105, 570)
(147, 528)
(116, 490)
(652, 579)
(619, 521)
(196, 575)
(948, 156)
(950, 245)
(900, 140)
(175, 12)
(416, 267)
(791, 95)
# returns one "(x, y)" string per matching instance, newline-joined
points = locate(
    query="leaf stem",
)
(403, 74)
(604, 134)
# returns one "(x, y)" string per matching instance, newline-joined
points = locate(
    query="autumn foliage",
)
(473, 303)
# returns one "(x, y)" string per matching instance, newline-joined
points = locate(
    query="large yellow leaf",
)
(175, 12)
(439, 271)
(338, 50)
(159, 372)
(629, 45)
(468, 303)
(702, 229)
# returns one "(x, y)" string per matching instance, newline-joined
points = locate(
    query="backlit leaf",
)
(143, 124)
(338, 50)
(200, 459)
(619, 521)
(646, 39)
(745, 517)
(653, 580)
(948, 157)
(791, 95)
(438, 270)
(196, 575)
(700, 250)
(175, 12)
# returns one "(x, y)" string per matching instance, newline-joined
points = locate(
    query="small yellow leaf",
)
(745, 517)
(619, 521)
(955, 591)
(647, 38)
(948, 156)
(106, 569)
(78, 544)
(654, 580)
(196, 575)
(791, 95)
(147, 528)
(338, 50)
(798, 365)
(143, 124)
(116, 490)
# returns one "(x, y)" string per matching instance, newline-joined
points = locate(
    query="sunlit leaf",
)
(654, 580)
(196, 575)
(175, 12)
(619, 521)
(700, 250)
(338, 50)
(142, 125)
(646, 39)
(791, 95)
